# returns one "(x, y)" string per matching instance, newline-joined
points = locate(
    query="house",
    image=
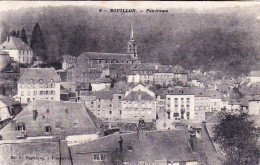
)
(8, 108)
(180, 104)
(201, 104)
(139, 103)
(163, 75)
(48, 118)
(68, 62)
(18, 50)
(101, 84)
(254, 106)
(170, 147)
(38, 84)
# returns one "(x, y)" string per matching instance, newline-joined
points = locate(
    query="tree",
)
(23, 36)
(37, 42)
(18, 34)
(13, 33)
(237, 136)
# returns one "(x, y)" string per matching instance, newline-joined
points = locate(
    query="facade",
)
(38, 84)
(179, 106)
(202, 105)
(101, 84)
(18, 50)
(139, 103)
(68, 62)
(254, 107)
(4, 59)
(50, 118)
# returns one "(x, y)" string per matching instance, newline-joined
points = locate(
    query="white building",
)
(39, 83)
(18, 50)
(254, 107)
(180, 106)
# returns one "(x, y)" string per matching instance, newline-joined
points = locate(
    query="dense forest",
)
(227, 40)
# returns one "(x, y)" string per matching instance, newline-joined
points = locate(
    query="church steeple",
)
(132, 45)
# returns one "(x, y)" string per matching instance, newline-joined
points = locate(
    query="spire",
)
(132, 32)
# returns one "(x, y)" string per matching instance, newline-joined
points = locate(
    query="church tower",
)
(132, 45)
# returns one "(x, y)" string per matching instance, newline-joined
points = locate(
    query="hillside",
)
(226, 40)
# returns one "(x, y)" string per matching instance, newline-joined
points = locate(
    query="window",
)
(35, 93)
(99, 156)
(35, 114)
(188, 114)
(47, 110)
(48, 128)
(66, 111)
(20, 126)
(22, 93)
(176, 115)
(58, 125)
(75, 125)
(110, 112)
(119, 97)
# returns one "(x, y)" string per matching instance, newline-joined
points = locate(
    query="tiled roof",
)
(14, 43)
(67, 113)
(105, 56)
(134, 95)
(169, 145)
(37, 74)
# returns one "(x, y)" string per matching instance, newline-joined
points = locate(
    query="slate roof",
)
(156, 145)
(7, 100)
(37, 74)
(67, 113)
(120, 87)
(101, 80)
(37, 152)
(105, 56)
(3, 53)
(102, 94)
(14, 43)
(134, 95)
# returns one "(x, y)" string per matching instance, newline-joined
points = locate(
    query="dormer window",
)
(47, 111)
(31, 80)
(47, 128)
(41, 80)
(20, 126)
(51, 80)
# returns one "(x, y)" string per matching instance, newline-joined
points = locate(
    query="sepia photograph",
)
(129, 83)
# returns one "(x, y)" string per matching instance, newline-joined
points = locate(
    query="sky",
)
(15, 5)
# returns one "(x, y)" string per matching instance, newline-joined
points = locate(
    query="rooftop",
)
(170, 145)
(105, 56)
(14, 43)
(39, 74)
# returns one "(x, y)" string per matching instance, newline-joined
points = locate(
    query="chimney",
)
(141, 132)
(139, 97)
(193, 139)
(120, 141)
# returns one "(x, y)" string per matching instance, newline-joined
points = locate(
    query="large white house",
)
(180, 105)
(38, 83)
(18, 50)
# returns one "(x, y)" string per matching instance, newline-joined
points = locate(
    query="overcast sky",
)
(14, 5)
